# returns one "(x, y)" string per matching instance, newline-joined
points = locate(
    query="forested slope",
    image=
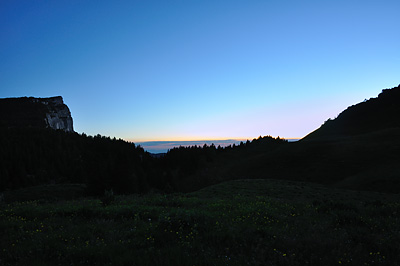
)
(33, 156)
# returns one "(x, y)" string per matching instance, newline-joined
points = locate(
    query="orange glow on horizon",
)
(201, 139)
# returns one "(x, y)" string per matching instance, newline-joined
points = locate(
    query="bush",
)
(108, 197)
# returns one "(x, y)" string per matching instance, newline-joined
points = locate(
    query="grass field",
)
(242, 222)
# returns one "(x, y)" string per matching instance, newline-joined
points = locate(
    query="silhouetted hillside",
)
(360, 150)
(191, 168)
(36, 156)
(372, 115)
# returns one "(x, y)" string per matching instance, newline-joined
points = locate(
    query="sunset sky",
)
(194, 70)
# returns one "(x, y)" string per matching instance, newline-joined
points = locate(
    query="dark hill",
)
(359, 150)
(372, 115)
(42, 156)
(33, 153)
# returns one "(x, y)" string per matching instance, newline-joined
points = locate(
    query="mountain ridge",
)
(371, 115)
(360, 150)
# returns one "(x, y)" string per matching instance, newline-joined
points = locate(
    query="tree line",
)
(35, 156)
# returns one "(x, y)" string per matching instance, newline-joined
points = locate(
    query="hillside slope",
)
(372, 115)
(359, 150)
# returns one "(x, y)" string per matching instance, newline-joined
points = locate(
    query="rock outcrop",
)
(35, 112)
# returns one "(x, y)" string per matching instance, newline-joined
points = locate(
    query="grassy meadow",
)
(242, 222)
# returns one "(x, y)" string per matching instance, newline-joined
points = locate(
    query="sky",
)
(199, 70)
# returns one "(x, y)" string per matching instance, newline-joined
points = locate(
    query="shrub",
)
(108, 197)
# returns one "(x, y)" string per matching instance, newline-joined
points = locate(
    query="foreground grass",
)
(255, 222)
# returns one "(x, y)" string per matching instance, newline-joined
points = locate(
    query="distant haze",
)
(164, 146)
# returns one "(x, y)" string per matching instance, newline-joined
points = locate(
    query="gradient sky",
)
(191, 69)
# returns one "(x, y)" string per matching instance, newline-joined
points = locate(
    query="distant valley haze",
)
(164, 146)
(148, 71)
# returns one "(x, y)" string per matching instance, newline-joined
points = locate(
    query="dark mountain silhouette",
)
(35, 112)
(360, 149)
(371, 115)
(36, 156)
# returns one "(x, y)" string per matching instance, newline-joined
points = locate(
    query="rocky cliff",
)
(35, 112)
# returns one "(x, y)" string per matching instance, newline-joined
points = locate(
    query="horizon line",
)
(208, 139)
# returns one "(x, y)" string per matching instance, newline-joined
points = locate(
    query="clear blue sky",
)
(191, 69)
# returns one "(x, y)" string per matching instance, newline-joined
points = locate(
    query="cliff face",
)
(58, 115)
(35, 112)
